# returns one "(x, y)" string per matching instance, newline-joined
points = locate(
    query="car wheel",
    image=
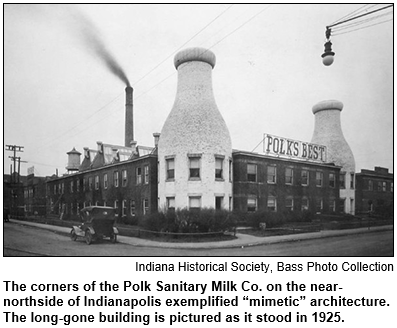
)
(88, 237)
(73, 235)
(113, 238)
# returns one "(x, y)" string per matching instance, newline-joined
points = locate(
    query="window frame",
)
(252, 177)
(289, 179)
(219, 175)
(124, 178)
(138, 175)
(146, 174)
(198, 198)
(319, 178)
(271, 178)
(105, 181)
(194, 172)
(170, 172)
(272, 199)
(116, 179)
(253, 206)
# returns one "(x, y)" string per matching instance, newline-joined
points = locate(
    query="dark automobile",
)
(98, 223)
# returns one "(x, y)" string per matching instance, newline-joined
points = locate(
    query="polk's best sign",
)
(293, 148)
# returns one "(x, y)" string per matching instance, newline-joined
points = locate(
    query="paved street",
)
(31, 241)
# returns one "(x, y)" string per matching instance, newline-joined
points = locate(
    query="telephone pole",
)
(15, 186)
(15, 149)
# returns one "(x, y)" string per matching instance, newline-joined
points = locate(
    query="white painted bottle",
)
(195, 150)
(328, 132)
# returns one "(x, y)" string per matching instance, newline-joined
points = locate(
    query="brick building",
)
(374, 191)
(262, 182)
(121, 177)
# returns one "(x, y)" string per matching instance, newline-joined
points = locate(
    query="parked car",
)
(97, 223)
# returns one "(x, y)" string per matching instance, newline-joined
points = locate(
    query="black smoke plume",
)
(92, 40)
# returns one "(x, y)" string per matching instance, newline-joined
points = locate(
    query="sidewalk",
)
(242, 240)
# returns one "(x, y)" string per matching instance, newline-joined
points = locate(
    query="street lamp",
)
(328, 55)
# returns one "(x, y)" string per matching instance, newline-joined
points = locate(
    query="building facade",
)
(129, 185)
(375, 191)
(265, 183)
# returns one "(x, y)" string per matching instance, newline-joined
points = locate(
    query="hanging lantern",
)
(328, 55)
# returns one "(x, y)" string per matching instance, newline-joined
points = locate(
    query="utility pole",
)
(15, 149)
(14, 177)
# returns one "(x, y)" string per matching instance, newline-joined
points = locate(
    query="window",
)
(170, 166)
(218, 202)
(305, 178)
(71, 186)
(105, 181)
(63, 188)
(251, 172)
(194, 202)
(289, 176)
(90, 183)
(194, 167)
(272, 204)
(84, 184)
(138, 175)
(55, 189)
(332, 180)
(342, 178)
(71, 208)
(132, 207)
(332, 205)
(319, 179)
(351, 180)
(289, 203)
(319, 205)
(116, 178)
(124, 208)
(77, 208)
(116, 206)
(97, 182)
(251, 204)
(271, 174)
(78, 185)
(305, 204)
(124, 178)
(370, 185)
(230, 203)
(391, 186)
(379, 186)
(171, 203)
(218, 168)
(145, 206)
(230, 171)
(146, 174)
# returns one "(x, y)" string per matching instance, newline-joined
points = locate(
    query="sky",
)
(60, 94)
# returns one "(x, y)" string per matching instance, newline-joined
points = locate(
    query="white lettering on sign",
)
(293, 148)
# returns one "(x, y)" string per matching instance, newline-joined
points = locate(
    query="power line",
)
(184, 44)
(363, 27)
(347, 26)
(83, 121)
(359, 16)
(349, 15)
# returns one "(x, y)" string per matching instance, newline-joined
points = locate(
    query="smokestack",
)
(194, 137)
(156, 136)
(328, 132)
(129, 118)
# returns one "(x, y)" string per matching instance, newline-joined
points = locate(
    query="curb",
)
(231, 244)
